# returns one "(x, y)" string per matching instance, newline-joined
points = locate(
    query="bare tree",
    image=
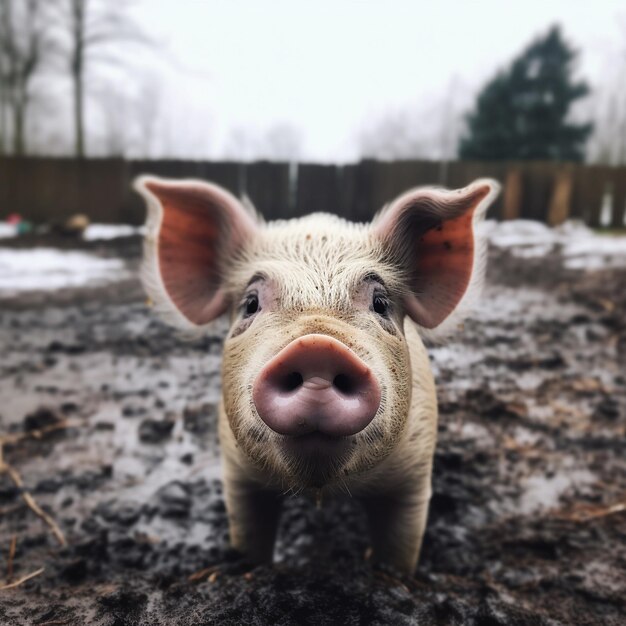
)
(608, 107)
(116, 110)
(608, 143)
(92, 24)
(24, 39)
(427, 132)
(148, 105)
(282, 142)
(240, 145)
(394, 136)
(3, 90)
(77, 64)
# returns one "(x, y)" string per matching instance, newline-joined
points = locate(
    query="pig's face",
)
(316, 372)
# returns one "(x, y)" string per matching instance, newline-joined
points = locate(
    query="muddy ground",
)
(109, 419)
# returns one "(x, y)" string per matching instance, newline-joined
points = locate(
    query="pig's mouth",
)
(318, 445)
(316, 458)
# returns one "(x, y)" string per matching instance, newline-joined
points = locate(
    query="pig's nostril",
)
(345, 384)
(291, 382)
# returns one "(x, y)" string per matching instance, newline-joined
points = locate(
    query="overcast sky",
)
(330, 69)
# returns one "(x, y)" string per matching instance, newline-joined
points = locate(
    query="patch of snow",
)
(596, 244)
(580, 247)
(7, 230)
(584, 249)
(532, 252)
(47, 269)
(543, 493)
(573, 229)
(111, 231)
(92, 232)
(516, 234)
(453, 356)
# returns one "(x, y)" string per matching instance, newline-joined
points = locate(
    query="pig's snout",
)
(316, 384)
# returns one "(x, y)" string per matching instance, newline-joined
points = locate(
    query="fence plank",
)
(318, 189)
(347, 182)
(561, 197)
(228, 174)
(267, 185)
(512, 194)
(357, 183)
(618, 214)
(538, 181)
(589, 188)
(103, 190)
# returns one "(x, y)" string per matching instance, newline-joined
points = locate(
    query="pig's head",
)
(316, 371)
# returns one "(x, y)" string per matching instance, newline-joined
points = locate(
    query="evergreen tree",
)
(522, 113)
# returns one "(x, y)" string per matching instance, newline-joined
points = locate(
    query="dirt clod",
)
(155, 431)
(43, 417)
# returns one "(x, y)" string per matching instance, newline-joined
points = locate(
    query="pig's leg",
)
(397, 525)
(253, 511)
(253, 515)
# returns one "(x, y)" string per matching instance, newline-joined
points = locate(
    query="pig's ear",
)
(431, 234)
(193, 229)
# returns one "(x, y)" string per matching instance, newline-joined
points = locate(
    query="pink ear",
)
(192, 229)
(430, 233)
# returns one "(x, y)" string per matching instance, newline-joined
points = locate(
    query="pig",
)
(326, 381)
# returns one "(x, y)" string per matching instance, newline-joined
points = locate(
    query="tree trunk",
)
(3, 123)
(79, 146)
(19, 113)
(77, 71)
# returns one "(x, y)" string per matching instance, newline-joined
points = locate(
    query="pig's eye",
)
(380, 305)
(250, 305)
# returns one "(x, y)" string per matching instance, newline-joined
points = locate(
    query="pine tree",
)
(522, 113)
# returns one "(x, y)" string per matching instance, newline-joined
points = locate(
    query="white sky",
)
(331, 68)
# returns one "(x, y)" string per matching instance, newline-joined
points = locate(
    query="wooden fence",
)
(45, 189)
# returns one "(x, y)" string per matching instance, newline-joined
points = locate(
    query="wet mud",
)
(109, 419)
